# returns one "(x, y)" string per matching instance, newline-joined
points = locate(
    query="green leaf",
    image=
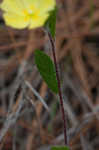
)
(60, 148)
(50, 24)
(46, 69)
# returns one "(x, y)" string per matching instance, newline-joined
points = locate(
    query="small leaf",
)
(60, 148)
(46, 69)
(50, 24)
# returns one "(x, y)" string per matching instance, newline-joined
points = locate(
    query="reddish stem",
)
(59, 87)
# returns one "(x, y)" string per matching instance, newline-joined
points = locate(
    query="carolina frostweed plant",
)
(20, 14)
(32, 14)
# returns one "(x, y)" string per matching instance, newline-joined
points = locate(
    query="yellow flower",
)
(20, 14)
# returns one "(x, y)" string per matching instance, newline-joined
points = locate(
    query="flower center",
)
(31, 13)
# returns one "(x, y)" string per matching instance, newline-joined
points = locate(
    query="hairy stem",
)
(59, 87)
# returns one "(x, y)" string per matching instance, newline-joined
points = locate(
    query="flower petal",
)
(14, 6)
(29, 3)
(38, 21)
(46, 5)
(42, 5)
(16, 21)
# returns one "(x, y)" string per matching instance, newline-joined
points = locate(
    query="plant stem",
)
(59, 87)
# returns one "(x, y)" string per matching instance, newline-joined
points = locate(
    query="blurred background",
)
(25, 123)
